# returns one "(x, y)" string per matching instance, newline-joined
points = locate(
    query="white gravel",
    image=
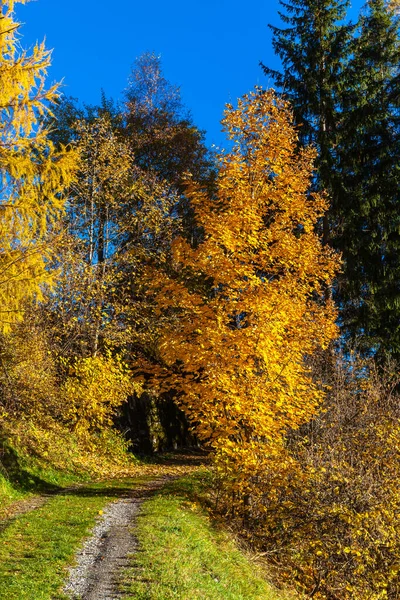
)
(106, 552)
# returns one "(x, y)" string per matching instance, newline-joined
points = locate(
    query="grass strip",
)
(36, 548)
(22, 477)
(182, 555)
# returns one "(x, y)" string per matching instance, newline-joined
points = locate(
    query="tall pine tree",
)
(342, 81)
(368, 185)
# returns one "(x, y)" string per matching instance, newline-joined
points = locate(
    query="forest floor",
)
(148, 537)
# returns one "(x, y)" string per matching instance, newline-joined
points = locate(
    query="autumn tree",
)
(162, 133)
(124, 210)
(241, 311)
(118, 215)
(33, 176)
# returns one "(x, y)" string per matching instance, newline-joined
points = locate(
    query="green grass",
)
(8, 492)
(36, 548)
(182, 555)
(22, 477)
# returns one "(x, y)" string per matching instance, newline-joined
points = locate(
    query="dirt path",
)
(107, 551)
(20, 508)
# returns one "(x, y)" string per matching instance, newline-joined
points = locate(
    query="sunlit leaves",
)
(334, 523)
(33, 176)
(242, 309)
(94, 388)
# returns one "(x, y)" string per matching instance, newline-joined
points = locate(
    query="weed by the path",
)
(183, 556)
(22, 476)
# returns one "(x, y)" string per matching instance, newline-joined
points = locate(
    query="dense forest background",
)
(155, 295)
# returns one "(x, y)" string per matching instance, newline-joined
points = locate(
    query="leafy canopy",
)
(33, 176)
(242, 309)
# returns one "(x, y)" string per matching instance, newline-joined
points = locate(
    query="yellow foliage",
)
(119, 214)
(394, 5)
(29, 381)
(49, 443)
(33, 176)
(38, 412)
(95, 387)
(331, 521)
(240, 311)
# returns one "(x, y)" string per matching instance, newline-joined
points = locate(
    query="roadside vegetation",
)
(184, 554)
(155, 295)
(36, 547)
(27, 467)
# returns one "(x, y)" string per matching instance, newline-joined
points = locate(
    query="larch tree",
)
(239, 312)
(33, 176)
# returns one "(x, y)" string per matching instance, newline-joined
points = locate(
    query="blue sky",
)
(211, 48)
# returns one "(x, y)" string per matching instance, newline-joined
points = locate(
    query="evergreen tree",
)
(368, 183)
(314, 49)
(342, 82)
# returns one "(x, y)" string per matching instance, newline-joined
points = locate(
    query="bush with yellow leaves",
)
(61, 416)
(29, 380)
(49, 445)
(331, 521)
(94, 389)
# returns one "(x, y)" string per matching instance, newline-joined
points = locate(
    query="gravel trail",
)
(107, 551)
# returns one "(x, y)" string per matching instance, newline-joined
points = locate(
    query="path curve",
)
(107, 550)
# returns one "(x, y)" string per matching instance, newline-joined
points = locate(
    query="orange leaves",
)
(241, 310)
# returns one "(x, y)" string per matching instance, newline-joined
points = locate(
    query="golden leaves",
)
(95, 387)
(33, 176)
(244, 307)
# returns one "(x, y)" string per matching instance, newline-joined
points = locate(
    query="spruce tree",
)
(342, 82)
(314, 49)
(368, 184)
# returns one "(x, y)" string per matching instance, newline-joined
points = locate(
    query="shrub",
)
(328, 514)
